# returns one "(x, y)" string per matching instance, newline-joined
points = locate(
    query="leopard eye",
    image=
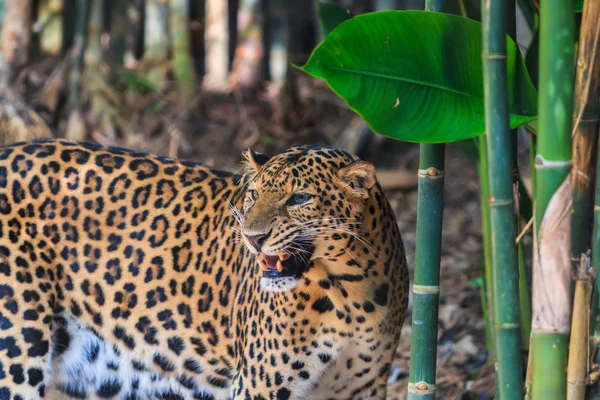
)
(253, 194)
(299, 198)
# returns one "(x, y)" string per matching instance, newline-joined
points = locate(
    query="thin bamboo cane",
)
(551, 270)
(585, 138)
(529, 375)
(585, 131)
(594, 392)
(504, 253)
(522, 200)
(426, 289)
(578, 348)
(486, 227)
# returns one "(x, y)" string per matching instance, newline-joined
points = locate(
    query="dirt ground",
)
(218, 126)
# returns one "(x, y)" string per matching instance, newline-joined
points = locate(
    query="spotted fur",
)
(130, 276)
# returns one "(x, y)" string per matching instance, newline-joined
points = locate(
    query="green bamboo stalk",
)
(183, 67)
(523, 202)
(551, 271)
(532, 152)
(426, 287)
(504, 253)
(524, 295)
(486, 227)
(426, 284)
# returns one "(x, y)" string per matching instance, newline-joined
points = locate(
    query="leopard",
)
(128, 275)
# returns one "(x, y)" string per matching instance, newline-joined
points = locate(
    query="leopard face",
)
(303, 205)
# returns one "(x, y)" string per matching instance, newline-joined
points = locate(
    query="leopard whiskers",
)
(237, 214)
(317, 233)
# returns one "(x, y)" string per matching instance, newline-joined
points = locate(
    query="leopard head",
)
(303, 205)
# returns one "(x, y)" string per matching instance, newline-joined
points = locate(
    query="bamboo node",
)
(541, 163)
(423, 289)
(431, 172)
(499, 203)
(494, 56)
(515, 325)
(421, 388)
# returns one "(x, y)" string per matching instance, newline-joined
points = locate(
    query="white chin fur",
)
(279, 284)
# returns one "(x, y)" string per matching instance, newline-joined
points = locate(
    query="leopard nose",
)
(258, 240)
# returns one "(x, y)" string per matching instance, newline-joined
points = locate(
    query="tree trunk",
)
(156, 40)
(135, 34)
(17, 121)
(197, 29)
(217, 60)
(68, 23)
(183, 68)
(50, 26)
(16, 39)
(250, 51)
(118, 32)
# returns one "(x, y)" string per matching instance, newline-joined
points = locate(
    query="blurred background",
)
(203, 79)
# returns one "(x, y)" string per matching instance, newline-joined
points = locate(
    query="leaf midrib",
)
(394, 78)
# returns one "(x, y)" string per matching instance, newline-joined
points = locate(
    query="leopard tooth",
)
(281, 255)
(279, 266)
(263, 264)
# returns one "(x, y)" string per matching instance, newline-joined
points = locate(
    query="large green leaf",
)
(331, 15)
(415, 75)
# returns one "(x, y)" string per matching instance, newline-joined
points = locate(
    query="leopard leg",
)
(24, 358)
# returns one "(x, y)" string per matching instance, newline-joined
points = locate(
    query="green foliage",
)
(415, 75)
(137, 83)
(476, 282)
(331, 15)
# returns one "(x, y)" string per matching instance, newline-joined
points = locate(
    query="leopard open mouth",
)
(284, 264)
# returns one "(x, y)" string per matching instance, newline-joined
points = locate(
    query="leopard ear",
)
(358, 178)
(254, 160)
